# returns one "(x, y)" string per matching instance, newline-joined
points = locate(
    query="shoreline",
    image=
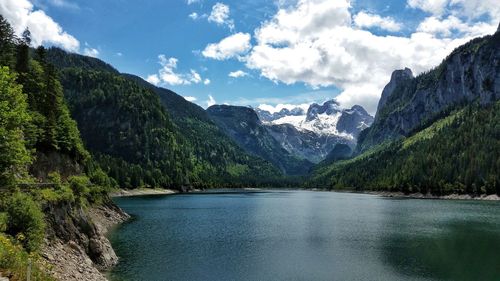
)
(83, 252)
(388, 194)
(391, 194)
(141, 192)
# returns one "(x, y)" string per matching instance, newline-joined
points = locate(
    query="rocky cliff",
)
(76, 245)
(469, 74)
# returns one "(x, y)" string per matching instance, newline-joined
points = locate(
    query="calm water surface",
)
(301, 235)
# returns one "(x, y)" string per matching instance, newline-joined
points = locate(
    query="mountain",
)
(48, 179)
(143, 135)
(245, 127)
(435, 133)
(469, 74)
(312, 134)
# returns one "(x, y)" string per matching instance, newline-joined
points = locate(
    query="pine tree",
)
(14, 119)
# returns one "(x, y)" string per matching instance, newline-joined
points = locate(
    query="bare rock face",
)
(471, 73)
(76, 242)
(398, 78)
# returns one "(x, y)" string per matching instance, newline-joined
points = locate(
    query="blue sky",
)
(285, 52)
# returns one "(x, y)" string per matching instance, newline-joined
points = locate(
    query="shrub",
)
(14, 259)
(80, 186)
(25, 220)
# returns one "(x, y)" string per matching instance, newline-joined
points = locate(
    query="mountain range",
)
(311, 134)
(434, 133)
(144, 135)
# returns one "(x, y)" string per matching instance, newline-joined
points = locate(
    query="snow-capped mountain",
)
(313, 133)
(323, 119)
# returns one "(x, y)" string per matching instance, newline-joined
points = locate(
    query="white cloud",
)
(220, 15)
(91, 52)
(153, 79)
(211, 101)
(451, 25)
(314, 42)
(189, 98)
(21, 15)
(119, 54)
(300, 99)
(436, 7)
(364, 19)
(238, 74)
(232, 46)
(193, 15)
(467, 8)
(206, 81)
(195, 77)
(189, 2)
(168, 75)
(280, 106)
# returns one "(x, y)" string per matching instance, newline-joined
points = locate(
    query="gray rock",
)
(471, 73)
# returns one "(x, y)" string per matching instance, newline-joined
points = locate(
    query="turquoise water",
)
(302, 235)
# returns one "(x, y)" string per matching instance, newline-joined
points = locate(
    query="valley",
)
(111, 169)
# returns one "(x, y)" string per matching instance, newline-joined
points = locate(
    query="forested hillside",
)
(147, 136)
(43, 162)
(437, 133)
(244, 126)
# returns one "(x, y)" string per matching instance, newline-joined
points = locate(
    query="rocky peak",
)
(239, 112)
(329, 108)
(354, 120)
(267, 116)
(398, 77)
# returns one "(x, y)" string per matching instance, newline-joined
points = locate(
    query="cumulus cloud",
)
(191, 99)
(467, 8)
(206, 81)
(314, 42)
(168, 75)
(232, 46)
(237, 74)
(153, 79)
(220, 15)
(451, 25)
(211, 101)
(189, 2)
(364, 19)
(91, 52)
(44, 30)
(436, 7)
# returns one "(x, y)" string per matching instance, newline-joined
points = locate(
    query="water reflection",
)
(436, 247)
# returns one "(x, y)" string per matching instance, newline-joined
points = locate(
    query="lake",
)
(306, 235)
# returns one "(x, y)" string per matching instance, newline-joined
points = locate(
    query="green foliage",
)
(25, 220)
(457, 154)
(14, 118)
(15, 260)
(3, 221)
(143, 136)
(7, 43)
(80, 185)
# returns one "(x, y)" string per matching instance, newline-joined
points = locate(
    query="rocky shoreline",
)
(492, 197)
(141, 192)
(82, 252)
